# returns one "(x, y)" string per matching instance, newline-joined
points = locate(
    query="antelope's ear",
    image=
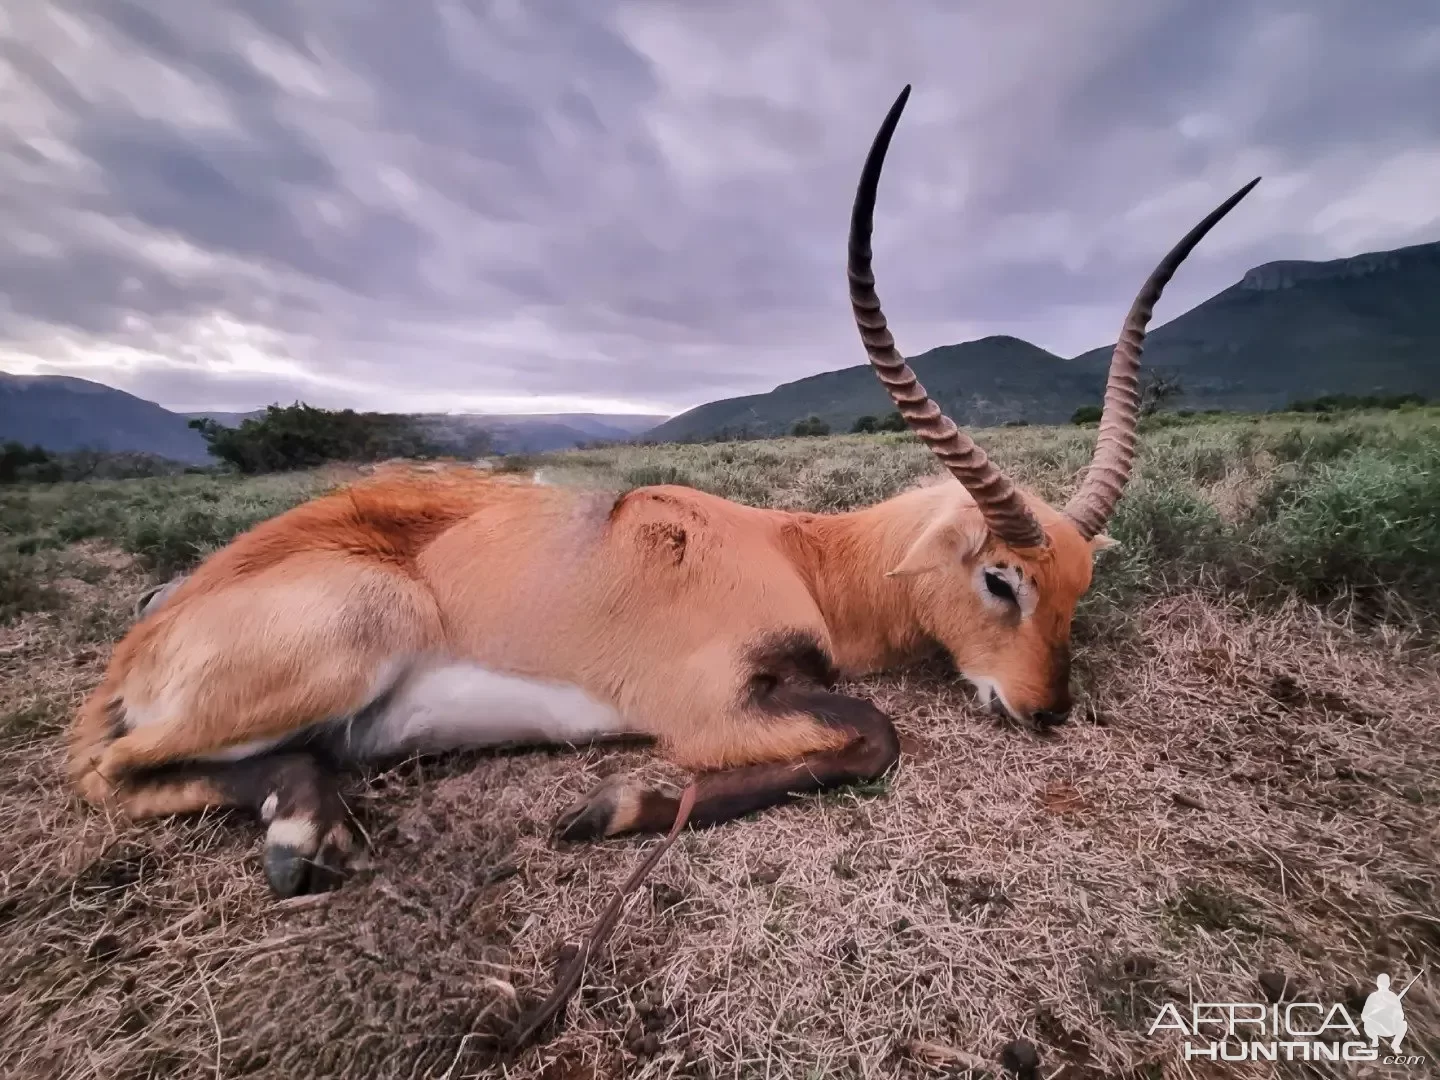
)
(945, 542)
(151, 599)
(1102, 542)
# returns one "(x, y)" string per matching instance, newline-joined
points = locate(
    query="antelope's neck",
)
(843, 559)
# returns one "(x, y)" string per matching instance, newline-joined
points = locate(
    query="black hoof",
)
(590, 818)
(296, 865)
(287, 870)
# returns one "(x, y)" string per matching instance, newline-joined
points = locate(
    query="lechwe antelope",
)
(420, 612)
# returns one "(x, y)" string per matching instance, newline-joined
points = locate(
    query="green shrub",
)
(811, 425)
(300, 436)
(892, 421)
(20, 464)
(1331, 403)
(656, 473)
(1171, 528)
(1316, 445)
(1370, 522)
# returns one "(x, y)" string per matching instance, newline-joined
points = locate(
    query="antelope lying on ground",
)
(429, 612)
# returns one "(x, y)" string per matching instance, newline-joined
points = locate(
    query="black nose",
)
(1047, 718)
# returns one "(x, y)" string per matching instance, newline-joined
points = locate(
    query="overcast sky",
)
(535, 205)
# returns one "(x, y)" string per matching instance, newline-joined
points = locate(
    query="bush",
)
(865, 425)
(20, 464)
(893, 422)
(1172, 525)
(1368, 522)
(1086, 414)
(1314, 446)
(656, 474)
(301, 437)
(1330, 403)
(811, 425)
(17, 458)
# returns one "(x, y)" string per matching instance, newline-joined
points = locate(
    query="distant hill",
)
(1364, 325)
(987, 381)
(63, 413)
(600, 425)
(1287, 330)
(533, 433)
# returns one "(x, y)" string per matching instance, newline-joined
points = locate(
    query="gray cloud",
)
(537, 205)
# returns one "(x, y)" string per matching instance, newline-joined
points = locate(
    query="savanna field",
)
(1245, 806)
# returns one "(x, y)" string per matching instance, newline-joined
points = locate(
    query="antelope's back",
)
(656, 594)
(650, 599)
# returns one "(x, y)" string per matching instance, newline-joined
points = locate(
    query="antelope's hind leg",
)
(307, 842)
(802, 737)
(221, 703)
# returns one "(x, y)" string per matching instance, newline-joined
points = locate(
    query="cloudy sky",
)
(534, 205)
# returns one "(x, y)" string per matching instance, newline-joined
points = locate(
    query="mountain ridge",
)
(1287, 329)
(63, 413)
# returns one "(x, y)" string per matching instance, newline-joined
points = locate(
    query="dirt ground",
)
(1244, 796)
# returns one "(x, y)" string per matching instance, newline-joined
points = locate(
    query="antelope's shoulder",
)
(684, 525)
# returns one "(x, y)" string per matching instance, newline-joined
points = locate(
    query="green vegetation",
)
(300, 436)
(869, 425)
(811, 425)
(1333, 403)
(168, 524)
(21, 464)
(1328, 508)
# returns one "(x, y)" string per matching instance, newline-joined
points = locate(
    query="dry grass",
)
(1250, 786)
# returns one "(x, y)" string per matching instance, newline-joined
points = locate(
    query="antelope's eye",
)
(999, 587)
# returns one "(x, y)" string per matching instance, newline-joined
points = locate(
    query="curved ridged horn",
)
(1091, 506)
(1004, 510)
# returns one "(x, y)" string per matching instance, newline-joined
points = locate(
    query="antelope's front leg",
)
(865, 746)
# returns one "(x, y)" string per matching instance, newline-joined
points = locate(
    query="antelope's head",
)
(996, 571)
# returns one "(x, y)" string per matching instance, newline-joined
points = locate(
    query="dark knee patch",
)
(783, 659)
(877, 744)
(300, 788)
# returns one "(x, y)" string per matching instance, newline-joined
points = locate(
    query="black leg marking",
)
(291, 792)
(307, 840)
(619, 807)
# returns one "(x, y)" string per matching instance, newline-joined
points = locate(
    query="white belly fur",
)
(459, 705)
(433, 707)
